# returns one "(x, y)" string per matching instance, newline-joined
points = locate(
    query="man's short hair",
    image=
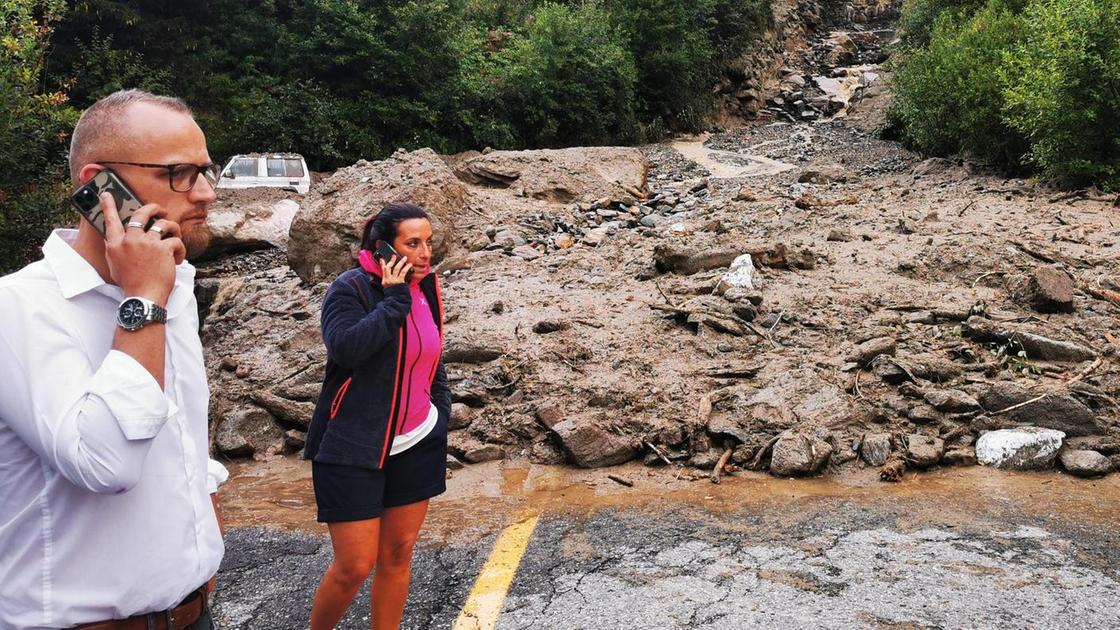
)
(102, 121)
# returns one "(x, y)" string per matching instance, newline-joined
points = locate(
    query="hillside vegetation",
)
(1029, 86)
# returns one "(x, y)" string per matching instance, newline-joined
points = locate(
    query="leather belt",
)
(175, 618)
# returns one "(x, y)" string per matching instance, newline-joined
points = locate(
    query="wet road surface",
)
(959, 548)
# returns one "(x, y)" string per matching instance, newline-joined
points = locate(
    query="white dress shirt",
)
(105, 479)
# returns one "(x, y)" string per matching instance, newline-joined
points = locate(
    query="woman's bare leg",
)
(400, 526)
(355, 553)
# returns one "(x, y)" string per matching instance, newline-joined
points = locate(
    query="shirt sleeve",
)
(216, 475)
(93, 423)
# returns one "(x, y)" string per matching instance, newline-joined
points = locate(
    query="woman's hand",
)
(394, 271)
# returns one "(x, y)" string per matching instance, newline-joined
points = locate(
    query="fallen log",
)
(1036, 346)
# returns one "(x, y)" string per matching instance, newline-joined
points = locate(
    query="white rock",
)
(741, 274)
(1026, 448)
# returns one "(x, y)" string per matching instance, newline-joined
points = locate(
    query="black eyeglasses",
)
(181, 177)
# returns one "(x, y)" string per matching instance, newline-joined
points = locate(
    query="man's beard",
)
(196, 239)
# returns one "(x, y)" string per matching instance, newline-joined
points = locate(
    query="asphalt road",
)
(965, 548)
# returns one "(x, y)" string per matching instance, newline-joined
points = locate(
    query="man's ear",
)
(88, 171)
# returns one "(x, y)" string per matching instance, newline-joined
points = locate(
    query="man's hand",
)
(142, 263)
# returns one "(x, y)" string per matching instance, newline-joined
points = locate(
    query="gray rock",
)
(589, 445)
(230, 442)
(453, 463)
(923, 414)
(322, 240)
(865, 352)
(1026, 448)
(796, 454)
(1036, 346)
(1085, 463)
(461, 417)
(875, 448)
(467, 351)
(295, 440)
(546, 326)
(840, 235)
(1050, 290)
(883, 367)
(951, 401)
(960, 456)
(1056, 411)
(291, 414)
(550, 414)
(526, 252)
(924, 451)
(484, 453)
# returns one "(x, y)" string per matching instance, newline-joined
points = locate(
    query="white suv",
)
(269, 170)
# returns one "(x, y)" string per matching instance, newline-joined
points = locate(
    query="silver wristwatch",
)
(136, 312)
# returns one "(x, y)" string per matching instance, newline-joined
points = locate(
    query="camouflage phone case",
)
(105, 181)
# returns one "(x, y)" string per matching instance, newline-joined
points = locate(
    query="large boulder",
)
(796, 454)
(561, 175)
(924, 451)
(875, 448)
(1026, 448)
(1085, 463)
(263, 351)
(250, 219)
(589, 445)
(1050, 290)
(326, 233)
(1060, 412)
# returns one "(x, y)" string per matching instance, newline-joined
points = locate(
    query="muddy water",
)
(485, 497)
(726, 164)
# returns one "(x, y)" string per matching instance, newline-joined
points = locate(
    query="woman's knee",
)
(351, 572)
(397, 553)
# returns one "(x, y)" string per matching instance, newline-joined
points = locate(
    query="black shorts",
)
(352, 493)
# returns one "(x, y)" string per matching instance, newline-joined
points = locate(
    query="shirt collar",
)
(76, 276)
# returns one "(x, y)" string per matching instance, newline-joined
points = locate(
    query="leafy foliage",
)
(950, 93)
(1064, 89)
(33, 132)
(1017, 83)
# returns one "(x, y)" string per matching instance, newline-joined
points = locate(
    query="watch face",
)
(131, 313)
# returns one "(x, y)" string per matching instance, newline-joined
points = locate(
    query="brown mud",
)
(484, 498)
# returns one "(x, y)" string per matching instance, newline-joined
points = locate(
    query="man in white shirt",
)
(107, 519)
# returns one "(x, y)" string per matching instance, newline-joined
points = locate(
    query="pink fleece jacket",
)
(422, 352)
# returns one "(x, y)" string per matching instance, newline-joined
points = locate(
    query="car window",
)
(244, 167)
(275, 167)
(293, 168)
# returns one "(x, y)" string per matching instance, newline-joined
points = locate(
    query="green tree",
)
(34, 126)
(1064, 89)
(949, 94)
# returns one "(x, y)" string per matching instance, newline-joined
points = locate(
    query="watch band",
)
(133, 313)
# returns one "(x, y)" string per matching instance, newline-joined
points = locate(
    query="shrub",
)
(1064, 88)
(949, 95)
(568, 79)
(34, 125)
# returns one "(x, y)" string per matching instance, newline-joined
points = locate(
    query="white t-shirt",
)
(405, 441)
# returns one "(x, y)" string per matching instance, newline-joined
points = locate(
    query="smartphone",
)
(386, 252)
(87, 199)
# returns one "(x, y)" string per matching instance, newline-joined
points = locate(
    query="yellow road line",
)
(489, 592)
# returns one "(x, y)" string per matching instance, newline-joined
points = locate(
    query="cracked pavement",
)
(947, 550)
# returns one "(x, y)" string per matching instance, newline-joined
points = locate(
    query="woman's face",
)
(414, 242)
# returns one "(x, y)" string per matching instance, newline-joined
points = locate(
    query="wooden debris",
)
(620, 480)
(893, 469)
(722, 462)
